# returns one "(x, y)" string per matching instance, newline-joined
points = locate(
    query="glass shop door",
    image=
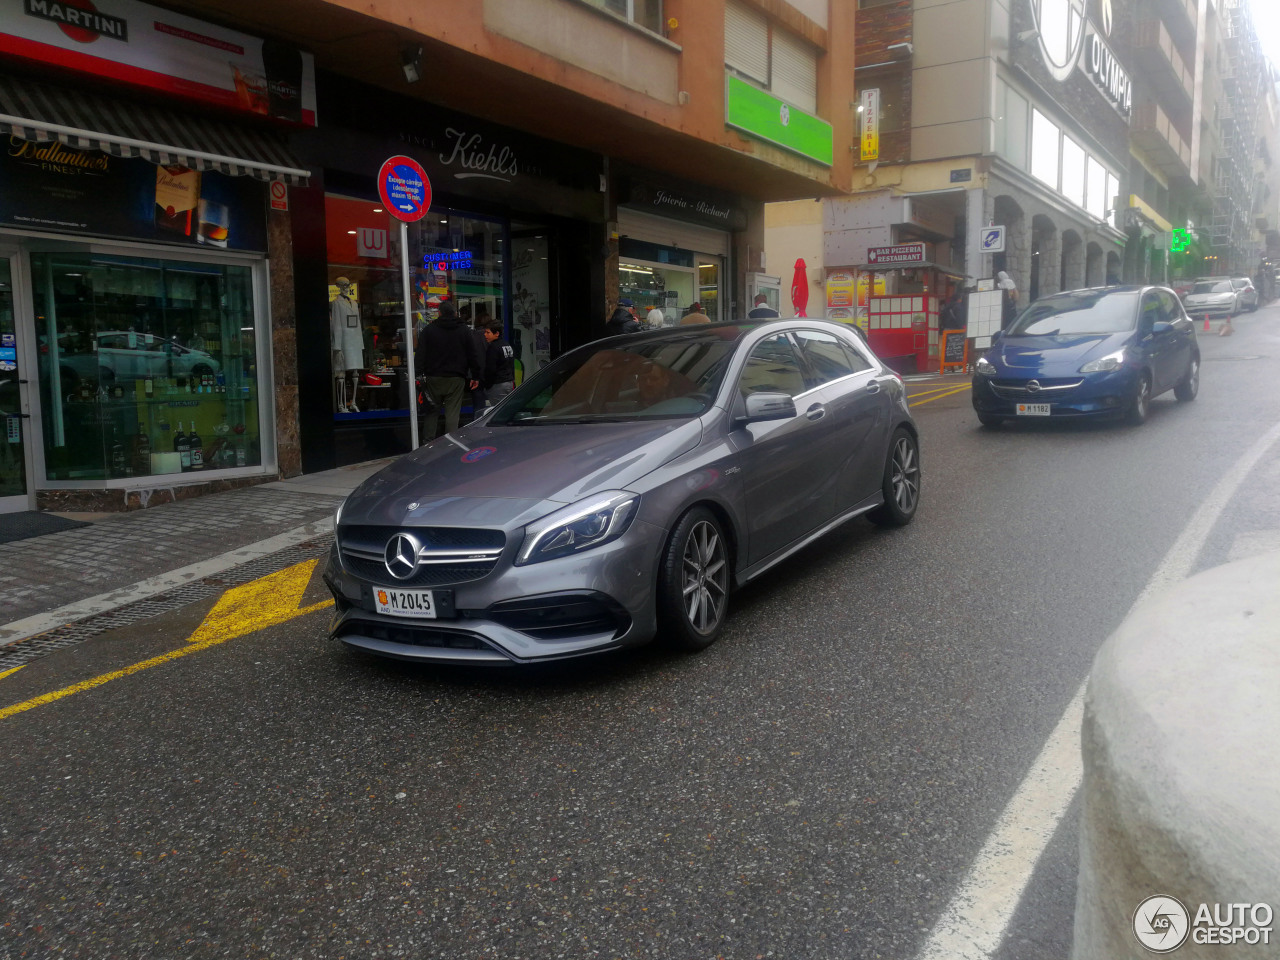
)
(15, 481)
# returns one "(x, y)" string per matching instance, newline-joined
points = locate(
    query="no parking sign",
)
(404, 188)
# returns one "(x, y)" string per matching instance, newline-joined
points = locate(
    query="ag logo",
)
(784, 115)
(1161, 924)
(1060, 24)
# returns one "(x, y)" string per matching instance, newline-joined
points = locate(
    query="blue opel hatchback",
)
(1102, 351)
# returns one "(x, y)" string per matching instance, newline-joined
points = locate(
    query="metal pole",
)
(408, 336)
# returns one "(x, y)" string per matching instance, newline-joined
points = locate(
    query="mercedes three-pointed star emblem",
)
(401, 555)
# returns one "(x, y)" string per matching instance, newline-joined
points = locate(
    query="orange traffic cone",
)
(1206, 323)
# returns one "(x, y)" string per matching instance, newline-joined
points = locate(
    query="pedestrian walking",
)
(623, 320)
(1008, 300)
(761, 309)
(654, 318)
(695, 315)
(499, 363)
(451, 364)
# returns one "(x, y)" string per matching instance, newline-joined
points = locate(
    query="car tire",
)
(990, 422)
(1139, 403)
(1187, 388)
(901, 484)
(693, 582)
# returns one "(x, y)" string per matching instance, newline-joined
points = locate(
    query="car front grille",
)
(414, 636)
(562, 616)
(448, 555)
(1050, 389)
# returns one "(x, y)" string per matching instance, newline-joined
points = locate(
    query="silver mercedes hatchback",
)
(622, 493)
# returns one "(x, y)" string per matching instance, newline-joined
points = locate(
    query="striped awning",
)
(90, 121)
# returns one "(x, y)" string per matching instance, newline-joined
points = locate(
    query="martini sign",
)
(1069, 40)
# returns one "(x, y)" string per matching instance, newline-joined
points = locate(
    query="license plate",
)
(405, 603)
(1033, 409)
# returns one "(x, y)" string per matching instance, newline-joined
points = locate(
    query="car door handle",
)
(873, 386)
(816, 412)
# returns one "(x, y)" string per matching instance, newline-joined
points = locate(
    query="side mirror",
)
(1161, 327)
(767, 406)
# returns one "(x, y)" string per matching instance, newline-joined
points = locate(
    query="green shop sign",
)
(765, 117)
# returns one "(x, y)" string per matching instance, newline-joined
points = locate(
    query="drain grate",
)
(25, 651)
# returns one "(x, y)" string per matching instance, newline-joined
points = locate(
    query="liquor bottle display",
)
(182, 446)
(177, 197)
(196, 447)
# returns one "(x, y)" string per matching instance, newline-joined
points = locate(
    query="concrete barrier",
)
(1181, 743)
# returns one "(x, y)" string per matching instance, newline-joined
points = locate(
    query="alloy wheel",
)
(705, 577)
(905, 475)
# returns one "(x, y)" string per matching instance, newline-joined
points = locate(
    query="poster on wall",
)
(164, 52)
(531, 307)
(50, 186)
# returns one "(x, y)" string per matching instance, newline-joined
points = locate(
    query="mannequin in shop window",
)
(347, 342)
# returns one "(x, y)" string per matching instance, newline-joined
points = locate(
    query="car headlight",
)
(337, 517)
(579, 526)
(1112, 361)
(985, 367)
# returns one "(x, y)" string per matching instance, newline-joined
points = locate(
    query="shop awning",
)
(36, 111)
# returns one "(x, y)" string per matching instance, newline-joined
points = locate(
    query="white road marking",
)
(975, 921)
(106, 602)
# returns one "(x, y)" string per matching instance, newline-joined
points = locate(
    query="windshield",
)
(1073, 314)
(1212, 286)
(663, 377)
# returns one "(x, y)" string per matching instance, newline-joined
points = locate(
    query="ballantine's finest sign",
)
(55, 157)
(1068, 39)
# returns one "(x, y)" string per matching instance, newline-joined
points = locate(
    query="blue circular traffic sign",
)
(404, 188)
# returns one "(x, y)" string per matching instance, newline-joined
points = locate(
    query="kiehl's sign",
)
(80, 21)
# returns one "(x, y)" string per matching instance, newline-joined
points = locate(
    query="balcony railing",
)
(1159, 138)
(1159, 58)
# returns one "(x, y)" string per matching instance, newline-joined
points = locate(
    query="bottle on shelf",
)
(148, 387)
(183, 447)
(196, 446)
(142, 452)
(119, 465)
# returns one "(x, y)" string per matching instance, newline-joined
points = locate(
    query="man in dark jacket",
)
(624, 320)
(499, 363)
(450, 365)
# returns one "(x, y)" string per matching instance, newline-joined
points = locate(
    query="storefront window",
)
(147, 366)
(669, 278)
(452, 256)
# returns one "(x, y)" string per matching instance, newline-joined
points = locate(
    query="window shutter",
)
(795, 71)
(746, 41)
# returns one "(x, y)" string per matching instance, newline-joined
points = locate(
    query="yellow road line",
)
(262, 603)
(925, 393)
(10, 672)
(942, 395)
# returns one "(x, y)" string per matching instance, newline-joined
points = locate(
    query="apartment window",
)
(780, 62)
(1073, 171)
(646, 13)
(894, 88)
(1011, 125)
(1045, 149)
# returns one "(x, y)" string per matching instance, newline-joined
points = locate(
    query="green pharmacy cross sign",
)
(1181, 241)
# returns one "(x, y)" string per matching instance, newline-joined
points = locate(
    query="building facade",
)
(581, 152)
(1105, 140)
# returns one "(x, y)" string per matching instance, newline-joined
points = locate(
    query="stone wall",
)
(284, 348)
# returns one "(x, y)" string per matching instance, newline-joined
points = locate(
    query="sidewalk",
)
(42, 575)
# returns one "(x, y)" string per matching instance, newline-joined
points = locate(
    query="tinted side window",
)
(1172, 306)
(772, 368)
(827, 357)
(1152, 310)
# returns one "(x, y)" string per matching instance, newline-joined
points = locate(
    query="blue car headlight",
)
(579, 526)
(1112, 361)
(985, 367)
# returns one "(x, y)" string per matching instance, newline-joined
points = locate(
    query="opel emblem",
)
(1033, 386)
(401, 555)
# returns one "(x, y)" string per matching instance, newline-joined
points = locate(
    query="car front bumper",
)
(601, 599)
(1092, 395)
(1215, 311)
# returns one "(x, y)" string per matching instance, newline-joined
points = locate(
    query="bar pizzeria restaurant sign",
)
(897, 255)
(164, 52)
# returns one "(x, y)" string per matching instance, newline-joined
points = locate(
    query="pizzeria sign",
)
(897, 255)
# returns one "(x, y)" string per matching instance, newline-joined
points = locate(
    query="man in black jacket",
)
(450, 364)
(623, 320)
(499, 363)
